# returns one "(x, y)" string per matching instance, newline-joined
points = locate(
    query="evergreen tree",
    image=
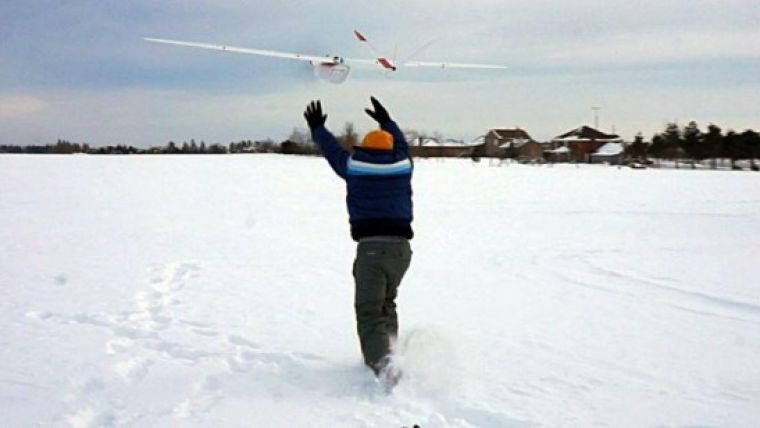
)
(638, 149)
(692, 142)
(750, 147)
(672, 137)
(713, 144)
(171, 148)
(732, 147)
(658, 148)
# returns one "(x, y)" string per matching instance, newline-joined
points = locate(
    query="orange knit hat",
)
(378, 140)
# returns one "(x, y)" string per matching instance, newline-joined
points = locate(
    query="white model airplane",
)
(333, 69)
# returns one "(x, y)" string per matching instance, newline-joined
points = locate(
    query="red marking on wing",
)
(359, 36)
(385, 63)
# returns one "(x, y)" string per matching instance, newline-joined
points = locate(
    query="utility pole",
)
(596, 117)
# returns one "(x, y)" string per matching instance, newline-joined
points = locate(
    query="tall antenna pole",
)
(596, 117)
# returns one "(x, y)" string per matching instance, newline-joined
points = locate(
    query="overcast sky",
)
(79, 69)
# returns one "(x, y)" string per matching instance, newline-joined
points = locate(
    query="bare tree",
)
(300, 137)
(349, 138)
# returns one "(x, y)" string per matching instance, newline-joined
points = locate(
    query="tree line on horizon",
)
(690, 144)
(299, 142)
(191, 147)
(680, 144)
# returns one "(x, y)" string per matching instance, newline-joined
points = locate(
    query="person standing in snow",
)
(378, 178)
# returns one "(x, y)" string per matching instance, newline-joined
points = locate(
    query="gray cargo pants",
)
(379, 266)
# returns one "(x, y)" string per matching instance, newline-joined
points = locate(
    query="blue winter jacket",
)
(379, 184)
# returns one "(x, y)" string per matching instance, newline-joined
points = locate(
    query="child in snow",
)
(378, 176)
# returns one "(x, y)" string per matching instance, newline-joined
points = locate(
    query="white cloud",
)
(18, 105)
(658, 46)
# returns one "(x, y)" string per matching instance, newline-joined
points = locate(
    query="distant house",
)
(610, 153)
(526, 151)
(431, 147)
(583, 142)
(511, 143)
(560, 154)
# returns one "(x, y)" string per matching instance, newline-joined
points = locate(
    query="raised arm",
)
(380, 114)
(331, 149)
(400, 145)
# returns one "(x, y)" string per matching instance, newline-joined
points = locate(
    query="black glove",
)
(380, 114)
(314, 116)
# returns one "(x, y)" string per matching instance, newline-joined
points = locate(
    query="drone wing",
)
(226, 48)
(450, 65)
(390, 65)
(360, 61)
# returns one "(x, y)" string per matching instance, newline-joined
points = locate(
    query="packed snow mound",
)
(428, 361)
(611, 149)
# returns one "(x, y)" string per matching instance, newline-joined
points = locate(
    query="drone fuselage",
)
(333, 70)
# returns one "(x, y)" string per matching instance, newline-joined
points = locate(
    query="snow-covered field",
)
(217, 291)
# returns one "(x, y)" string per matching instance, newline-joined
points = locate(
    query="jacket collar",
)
(373, 155)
